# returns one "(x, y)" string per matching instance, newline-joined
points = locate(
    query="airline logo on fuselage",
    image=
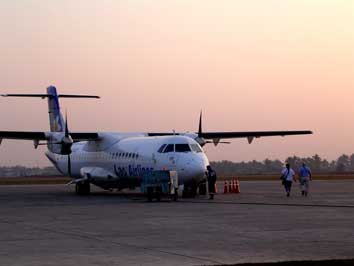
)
(131, 170)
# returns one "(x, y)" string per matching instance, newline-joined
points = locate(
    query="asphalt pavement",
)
(50, 225)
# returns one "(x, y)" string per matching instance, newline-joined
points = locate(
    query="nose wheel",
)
(190, 190)
(82, 188)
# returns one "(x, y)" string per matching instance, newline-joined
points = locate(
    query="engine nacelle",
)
(60, 144)
(201, 141)
(66, 144)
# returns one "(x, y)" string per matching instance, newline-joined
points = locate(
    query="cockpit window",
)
(161, 148)
(182, 148)
(196, 148)
(169, 148)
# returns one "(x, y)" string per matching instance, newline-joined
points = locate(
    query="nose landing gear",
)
(190, 190)
(82, 188)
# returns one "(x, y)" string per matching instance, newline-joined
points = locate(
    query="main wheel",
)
(82, 188)
(175, 196)
(158, 193)
(150, 194)
(158, 196)
(202, 189)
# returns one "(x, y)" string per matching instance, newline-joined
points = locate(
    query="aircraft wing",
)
(232, 135)
(215, 137)
(250, 134)
(81, 136)
(33, 135)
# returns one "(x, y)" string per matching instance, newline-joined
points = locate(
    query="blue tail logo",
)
(55, 117)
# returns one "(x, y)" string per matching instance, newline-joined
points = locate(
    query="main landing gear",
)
(82, 188)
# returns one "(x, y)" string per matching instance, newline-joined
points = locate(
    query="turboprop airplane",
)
(118, 160)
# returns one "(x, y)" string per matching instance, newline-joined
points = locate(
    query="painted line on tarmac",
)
(269, 204)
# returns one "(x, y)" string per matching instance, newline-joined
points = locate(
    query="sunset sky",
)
(249, 65)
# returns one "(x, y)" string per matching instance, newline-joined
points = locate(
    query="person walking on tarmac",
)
(305, 178)
(211, 176)
(287, 176)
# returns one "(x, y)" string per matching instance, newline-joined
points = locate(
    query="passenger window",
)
(169, 148)
(182, 148)
(161, 148)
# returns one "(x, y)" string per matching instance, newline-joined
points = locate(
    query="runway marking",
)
(81, 235)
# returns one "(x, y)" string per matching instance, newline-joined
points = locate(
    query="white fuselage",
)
(116, 158)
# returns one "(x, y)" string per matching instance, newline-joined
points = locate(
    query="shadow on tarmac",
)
(348, 262)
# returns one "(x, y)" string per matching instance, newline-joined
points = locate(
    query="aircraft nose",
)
(196, 168)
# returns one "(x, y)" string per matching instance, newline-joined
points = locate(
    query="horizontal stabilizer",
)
(25, 135)
(32, 135)
(43, 96)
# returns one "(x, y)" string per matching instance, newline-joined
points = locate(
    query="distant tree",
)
(351, 162)
(325, 166)
(316, 163)
(294, 161)
(342, 163)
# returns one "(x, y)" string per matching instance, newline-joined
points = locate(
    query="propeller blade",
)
(66, 125)
(200, 125)
(69, 165)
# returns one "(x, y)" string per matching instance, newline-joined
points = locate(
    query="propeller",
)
(67, 143)
(200, 138)
(200, 126)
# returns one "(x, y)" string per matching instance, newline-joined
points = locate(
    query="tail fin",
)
(56, 120)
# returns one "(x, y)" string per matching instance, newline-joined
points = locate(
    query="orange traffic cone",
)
(230, 186)
(225, 187)
(237, 190)
(233, 186)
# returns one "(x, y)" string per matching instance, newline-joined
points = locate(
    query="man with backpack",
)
(287, 177)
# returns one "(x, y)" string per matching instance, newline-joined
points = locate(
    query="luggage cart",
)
(157, 184)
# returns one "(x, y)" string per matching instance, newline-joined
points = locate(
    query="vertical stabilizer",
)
(55, 117)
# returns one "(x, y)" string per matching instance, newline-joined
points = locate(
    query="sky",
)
(249, 65)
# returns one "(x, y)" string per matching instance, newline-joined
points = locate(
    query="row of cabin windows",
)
(115, 155)
(124, 155)
(165, 148)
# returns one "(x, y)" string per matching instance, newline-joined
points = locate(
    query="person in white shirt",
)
(288, 176)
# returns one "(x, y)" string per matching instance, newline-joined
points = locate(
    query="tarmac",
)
(50, 225)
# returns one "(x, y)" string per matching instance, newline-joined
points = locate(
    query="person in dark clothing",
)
(211, 176)
(288, 176)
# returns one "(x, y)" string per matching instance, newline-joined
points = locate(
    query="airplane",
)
(117, 160)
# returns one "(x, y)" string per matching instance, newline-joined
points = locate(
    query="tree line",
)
(343, 164)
